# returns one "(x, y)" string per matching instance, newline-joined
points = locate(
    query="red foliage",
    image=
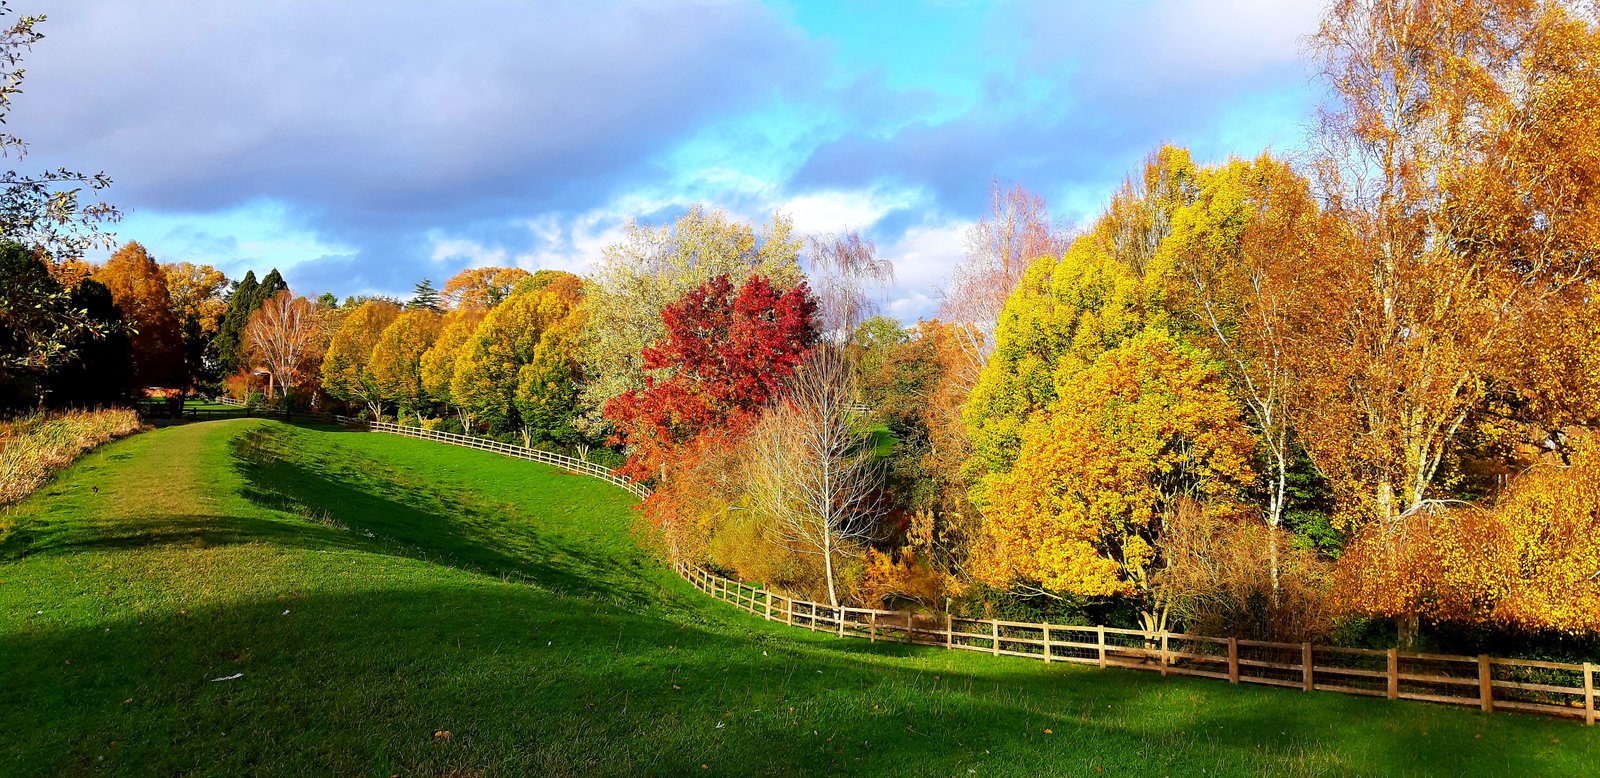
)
(728, 352)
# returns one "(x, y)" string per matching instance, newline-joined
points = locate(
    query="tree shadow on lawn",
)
(366, 499)
(526, 682)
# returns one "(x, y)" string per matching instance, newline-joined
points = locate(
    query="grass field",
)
(402, 607)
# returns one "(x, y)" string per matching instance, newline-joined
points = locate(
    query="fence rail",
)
(1489, 683)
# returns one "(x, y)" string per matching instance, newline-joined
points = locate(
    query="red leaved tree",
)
(725, 356)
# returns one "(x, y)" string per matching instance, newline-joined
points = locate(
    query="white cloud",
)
(923, 257)
(835, 211)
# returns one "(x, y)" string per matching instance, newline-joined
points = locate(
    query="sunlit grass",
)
(402, 607)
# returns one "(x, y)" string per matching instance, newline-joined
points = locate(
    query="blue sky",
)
(362, 146)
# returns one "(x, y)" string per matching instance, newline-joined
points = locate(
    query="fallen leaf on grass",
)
(234, 677)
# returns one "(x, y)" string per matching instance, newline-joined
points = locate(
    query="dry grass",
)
(34, 447)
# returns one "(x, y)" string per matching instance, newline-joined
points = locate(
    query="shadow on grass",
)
(528, 683)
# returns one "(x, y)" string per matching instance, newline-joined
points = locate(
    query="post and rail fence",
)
(1488, 683)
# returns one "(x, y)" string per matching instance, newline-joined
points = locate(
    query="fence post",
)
(949, 631)
(790, 602)
(1305, 659)
(994, 625)
(768, 592)
(1046, 628)
(873, 627)
(1233, 660)
(1100, 644)
(841, 621)
(1394, 674)
(1588, 693)
(1485, 684)
(1163, 652)
(908, 626)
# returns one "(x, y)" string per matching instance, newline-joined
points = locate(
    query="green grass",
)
(376, 591)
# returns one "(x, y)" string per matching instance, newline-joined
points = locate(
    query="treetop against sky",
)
(361, 146)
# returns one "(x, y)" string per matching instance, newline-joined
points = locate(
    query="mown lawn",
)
(403, 607)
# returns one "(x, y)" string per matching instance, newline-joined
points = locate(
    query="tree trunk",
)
(827, 566)
(1407, 629)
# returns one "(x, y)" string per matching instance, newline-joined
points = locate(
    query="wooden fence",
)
(1489, 683)
(1485, 682)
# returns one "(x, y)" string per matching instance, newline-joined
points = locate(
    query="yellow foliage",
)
(1532, 562)
(1082, 509)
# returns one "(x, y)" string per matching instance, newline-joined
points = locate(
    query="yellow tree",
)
(482, 287)
(1067, 310)
(345, 368)
(1238, 260)
(504, 355)
(439, 362)
(1147, 424)
(1462, 154)
(1530, 562)
(199, 300)
(396, 362)
(139, 289)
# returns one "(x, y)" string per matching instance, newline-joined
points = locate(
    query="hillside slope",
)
(391, 606)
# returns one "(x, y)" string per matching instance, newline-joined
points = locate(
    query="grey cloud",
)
(365, 114)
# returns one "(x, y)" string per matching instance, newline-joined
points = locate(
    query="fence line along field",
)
(1490, 683)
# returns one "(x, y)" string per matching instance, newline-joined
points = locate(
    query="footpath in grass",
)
(391, 606)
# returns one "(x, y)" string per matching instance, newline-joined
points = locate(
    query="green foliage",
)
(40, 324)
(245, 297)
(424, 296)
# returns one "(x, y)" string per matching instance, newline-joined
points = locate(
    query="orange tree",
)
(139, 288)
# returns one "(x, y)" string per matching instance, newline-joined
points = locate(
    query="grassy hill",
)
(402, 607)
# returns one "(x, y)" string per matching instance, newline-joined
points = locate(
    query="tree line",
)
(1346, 396)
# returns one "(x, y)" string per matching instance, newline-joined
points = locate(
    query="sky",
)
(362, 146)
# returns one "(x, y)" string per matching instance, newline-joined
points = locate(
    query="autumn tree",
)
(1067, 310)
(438, 367)
(1149, 422)
(1459, 161)
(286, 335)
(651, 268)
(139, 287)
(1015, 232)
(843, 269)
(396, 361)
(809, 468)
(346, 371)
(1240, 259)
(482, 287)
(724, 356)
(514, 358)
(1529, 562)
(198, 301)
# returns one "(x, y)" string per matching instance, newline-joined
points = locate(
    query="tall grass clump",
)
(36, 446)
